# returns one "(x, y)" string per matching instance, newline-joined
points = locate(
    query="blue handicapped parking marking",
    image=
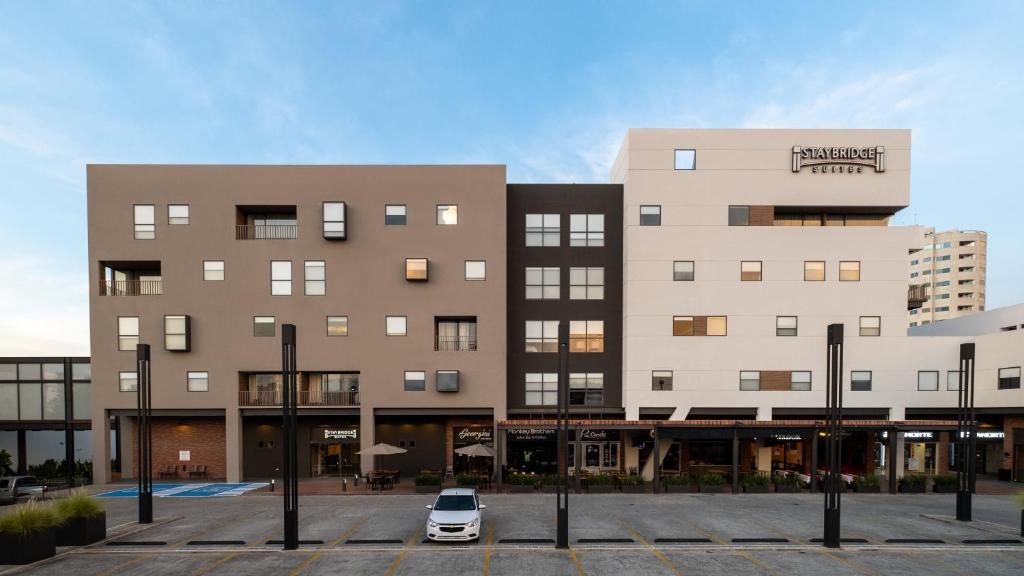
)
(133, 492)
(210, 490)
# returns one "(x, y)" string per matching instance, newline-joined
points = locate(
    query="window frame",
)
(272, 323)
(747, 380)
(592, 238)
(587, 286)
(861, 328)
(189, 379)
(921, 373)
(413, 277)
(760, 270)
(795, 328)
(406, 380)
(223, 273)
(546, 383)
(841, 262)
(171, 218)
(588, 337)
(660, 382)
(807, 271)
(683, 333)
(544, 271)
(725, 319)
(447, 208)
(654, 218)
(328, 326)
(587, 389)
(675, 272)
(853, 381)
(1012, 382)
(404, 216)
(397, 317)
(121, 381)
(306, 282)
(480, 278)
(692, 157)
(277, 284)
(736, 210)
(123, 337)
(334, 234)
(793, 382)
(546, 339)
(951, 387)
(544, 232)
(146, 229)
(184, 334)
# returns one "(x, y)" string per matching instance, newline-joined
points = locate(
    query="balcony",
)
(454, 344)
(126, 278)
(455, 334)
(917, 295)
(266, 232)
(274, 397)
(266, 223)
(131, 288)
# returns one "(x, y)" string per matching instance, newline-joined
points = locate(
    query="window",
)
(717, 325)
(542, 335)
(396, 325)
(263, 326)
(750, 381)
(849, 271)
(394, 214)
(30, 405)
(927, 381)
(586, 283)
(661, 380)
(29, 372)
(543, 229)
(750, 271)
(586, 336)
(860, 380)
(416, 269)
(682, 270)
(650, 215)
(943, 271)
(447, 380)
(800, 381)
(1009, 378)
(281, 278)
(542, 283)
(335, 214)
(447, 214)
(953, 380)
(177, 333)
(145, 222)
(814, 271)
(213, 270)
(198, 381)
(942, 308)
(127, 332)
(415, 381)
(177, 213)
(316, 278)
(456, 334)
(682, 325)
(870, 325)
(785, 326)
(586, 230)
(53, 372)
(53, 400)
(686, 159)
(476, 270)
(913, 262)
(586, 389)
(337, 325)
(739, 215)
(541, 389)
(128, 382)
(81, 371)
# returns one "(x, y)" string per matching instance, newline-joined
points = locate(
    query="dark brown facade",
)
(564, 200)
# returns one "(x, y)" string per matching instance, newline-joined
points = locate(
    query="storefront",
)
(786, 452)
(467, 435)
(327, 445)
(333, 450)
(534, 450)
(920, 452)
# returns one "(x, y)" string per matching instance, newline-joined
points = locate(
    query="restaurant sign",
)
(476, 434)
(531, 434)
(838, 159)
(341, 433)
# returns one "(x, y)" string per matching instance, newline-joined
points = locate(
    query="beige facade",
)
(951, 265)
(364, 279)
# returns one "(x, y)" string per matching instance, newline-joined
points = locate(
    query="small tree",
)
(5, 461)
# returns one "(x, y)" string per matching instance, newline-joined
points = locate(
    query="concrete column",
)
(99, 438)
(366, 437)
(656, 475)
(891, 458)
(233, 443)
(126, 434)
(899, 454)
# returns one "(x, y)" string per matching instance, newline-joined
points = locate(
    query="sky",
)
(547, 88)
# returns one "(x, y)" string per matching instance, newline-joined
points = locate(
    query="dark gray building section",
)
(565, 200)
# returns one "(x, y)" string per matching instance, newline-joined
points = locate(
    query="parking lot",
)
(610, 534)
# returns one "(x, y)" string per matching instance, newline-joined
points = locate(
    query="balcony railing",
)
(306, 398)
(131, 287)
(917, 295)
(266, 232)
(454, 344)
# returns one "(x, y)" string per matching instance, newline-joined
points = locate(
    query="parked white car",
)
(13, 487)
(455, 516)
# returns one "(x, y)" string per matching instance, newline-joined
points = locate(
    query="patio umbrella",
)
(382, 449)
(476, 450)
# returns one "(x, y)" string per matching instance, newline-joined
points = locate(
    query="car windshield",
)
(455, 503)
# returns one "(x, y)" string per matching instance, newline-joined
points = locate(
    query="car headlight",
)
(431, 523)
(471, 523)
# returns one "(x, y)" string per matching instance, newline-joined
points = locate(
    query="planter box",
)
(634, 489)
(787, 488)
(520, 488)
(17, 549)
(680, 488)
(757, 489)
(904, 489)
(715, 489)
(867, 489)
(602, 489)
(82, 531)
(425, 489)
(944, 489)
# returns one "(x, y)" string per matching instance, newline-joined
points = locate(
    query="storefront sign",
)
(988, 435)
(787, 437)
(341, 433)
(531, 434)
(838, 160)
(475, 435)
(919, 435)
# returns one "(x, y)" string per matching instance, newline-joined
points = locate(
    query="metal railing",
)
(454, 344)
(917, 295)
(306, 398)
(131, 287)
(266, 232)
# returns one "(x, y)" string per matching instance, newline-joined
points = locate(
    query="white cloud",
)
(44, 310)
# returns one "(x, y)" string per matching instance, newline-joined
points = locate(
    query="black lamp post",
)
(965, 432)
(833, 442)
(562, 536)
(145, 433)
(289, 415)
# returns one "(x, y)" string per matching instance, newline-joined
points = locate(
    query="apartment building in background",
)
(951, 267)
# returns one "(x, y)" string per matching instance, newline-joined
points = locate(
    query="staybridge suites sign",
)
(838, 160)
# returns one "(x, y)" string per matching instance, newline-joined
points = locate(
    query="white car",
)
(455, 516)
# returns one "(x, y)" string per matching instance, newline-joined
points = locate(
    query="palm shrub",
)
(78, 505)
(868, 481)
(428, 480)
(945, 482)
(756, 480)
(632, 480)
(28, 518)
(709, 479)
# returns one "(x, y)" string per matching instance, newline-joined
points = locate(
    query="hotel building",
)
(951, 266)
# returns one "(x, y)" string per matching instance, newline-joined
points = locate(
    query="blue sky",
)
(547, 88)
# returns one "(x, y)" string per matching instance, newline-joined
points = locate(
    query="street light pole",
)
(562, 536)
(965, 432)
(833, 442)
(289, 423)
(145, 433)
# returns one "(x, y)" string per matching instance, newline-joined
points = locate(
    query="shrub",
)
(709, 479)
(428, 480)
(467, 480)
(521, 479)
(632, 480)
(550, 480)
(1020, 500)
(601, 480)
(78, 505)
(947, 481)
(869, 481)
(914, 480)
(788, 480)
(677, 480)
(27, 518)
(756, 480)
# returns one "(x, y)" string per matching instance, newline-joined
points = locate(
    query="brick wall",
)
(204, 437)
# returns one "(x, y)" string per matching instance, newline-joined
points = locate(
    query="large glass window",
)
(928, 381)
(8, 401)
(870, 325)
(739, 215)
(316, 278)
(8, 371)
(80, 371)
(213, 270)
(586, 336)
(750, 271)
(53, 401)
(81, 408)
(335, 225)
(542, 335)
(586, 389)
(127, 332)
(30, 371)
(682, 325)
(543, 229)
(685, 159)
(661, 380)
(800, 380)
(849, 271)
(415, 381)
(31, 400)
(394, 214)
(447, 214)
(177, 213)
(263, 326)
(541, 389)
(542, 283)
(750, 380)
(718, 325)
(586, 283)
(682, 270)
(281, 278)
(337, 325)
(53, 372)
(128, 382)
(860, 380)
(396, 325)
(650, 215)
(586, 230)
(145, 222)
(814, 271)
(785, 326)
(1009, 378)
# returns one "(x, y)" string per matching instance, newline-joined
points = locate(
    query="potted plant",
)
(632, 484)
(601, 484)
(913, 484)
(28, 534)
(467, 480)
(82, 520)
(712, 483)
(867, 484)
(428, 484)
(678, 483)
(521, 483)
(790, 483)
(756, 483)
(944, 484)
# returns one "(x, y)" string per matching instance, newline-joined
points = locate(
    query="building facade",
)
(951, 265)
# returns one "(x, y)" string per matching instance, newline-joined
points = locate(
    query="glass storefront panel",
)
(30, 398)
(82, 401)
(53, 401)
